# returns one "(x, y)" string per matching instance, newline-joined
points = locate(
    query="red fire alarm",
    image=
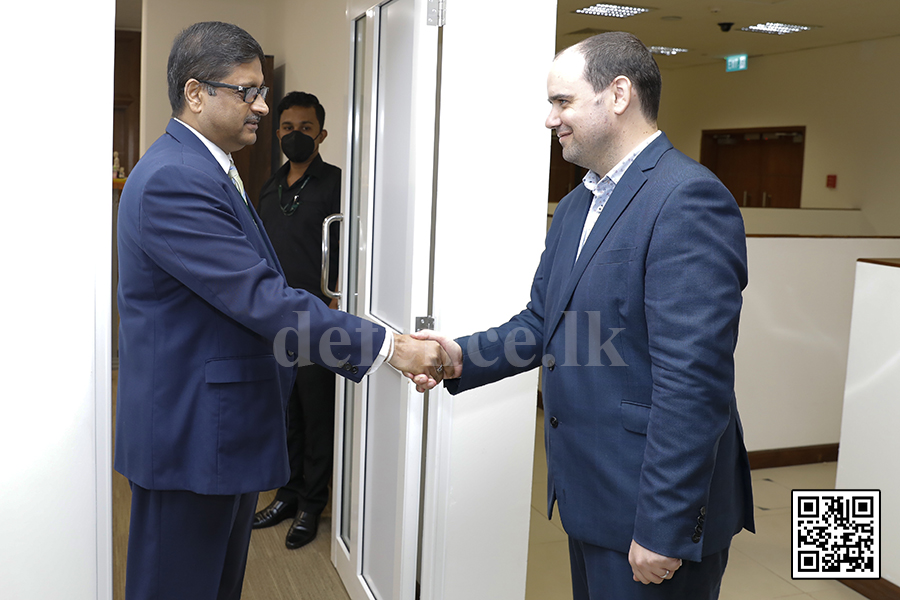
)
(831, 181)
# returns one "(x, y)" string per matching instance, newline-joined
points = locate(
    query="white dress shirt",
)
(602, 188)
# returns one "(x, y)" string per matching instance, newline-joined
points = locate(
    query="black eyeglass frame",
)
(250, 93)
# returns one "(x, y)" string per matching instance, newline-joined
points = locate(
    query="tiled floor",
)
(759, 566)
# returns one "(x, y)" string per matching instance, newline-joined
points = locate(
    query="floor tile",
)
(769, 495)
(544, 531)
(746, 579)
(839, 591)
(548, 576)
(812, 477)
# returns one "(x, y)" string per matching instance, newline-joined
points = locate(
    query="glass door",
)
(380, 422)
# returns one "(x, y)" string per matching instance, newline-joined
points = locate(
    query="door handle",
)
(765, 199)
(326, 252)
(745, 198)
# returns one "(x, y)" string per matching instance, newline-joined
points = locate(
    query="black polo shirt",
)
(297, 237)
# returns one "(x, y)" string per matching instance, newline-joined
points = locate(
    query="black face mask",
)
(297, 146)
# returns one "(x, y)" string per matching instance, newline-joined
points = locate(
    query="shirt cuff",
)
(385, 354)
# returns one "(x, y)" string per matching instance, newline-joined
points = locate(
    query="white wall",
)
(55, 421)
(489, 239)
(299, 34)
(316, 60)
(807, 221)
(162, 20)
(869, 441)
(791, 357)
(850, 134)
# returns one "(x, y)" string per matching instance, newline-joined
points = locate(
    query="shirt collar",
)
(221, 157)
(314, 170)
(592, 180)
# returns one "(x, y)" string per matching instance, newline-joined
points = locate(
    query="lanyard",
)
(292, 208)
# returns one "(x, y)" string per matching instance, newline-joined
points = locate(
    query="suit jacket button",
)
(354, 369)
(550, 362)
(703, 511)
(554, 422)
(695, 538)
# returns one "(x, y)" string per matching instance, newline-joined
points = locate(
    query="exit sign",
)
(738, 62)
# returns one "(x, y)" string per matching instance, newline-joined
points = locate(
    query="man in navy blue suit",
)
(210, 333)
(634, 318)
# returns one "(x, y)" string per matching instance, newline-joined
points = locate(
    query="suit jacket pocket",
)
(240, 369)
(609, 257)
(635, 417)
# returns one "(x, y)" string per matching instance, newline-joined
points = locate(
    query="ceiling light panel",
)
(776, 28)
(666, 50)
(612, 10)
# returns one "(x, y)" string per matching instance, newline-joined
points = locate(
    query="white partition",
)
(491, 223)
(791, 356)
(869, 440)
(55, 471)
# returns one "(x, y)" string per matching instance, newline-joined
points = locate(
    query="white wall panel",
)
(791, 356)
(492, 205)
(55, 353)
(869, 441)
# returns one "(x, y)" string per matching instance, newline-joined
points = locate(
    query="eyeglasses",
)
(250, 93)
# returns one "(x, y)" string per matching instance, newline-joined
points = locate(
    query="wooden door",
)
(761, 167)
(126, 98)
(254, 163)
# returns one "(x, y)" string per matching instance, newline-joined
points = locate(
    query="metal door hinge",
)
(437, 12)
(424, 323)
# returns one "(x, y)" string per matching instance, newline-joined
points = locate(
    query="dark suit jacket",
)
(637, 339)
(208, 330)
(297, 238)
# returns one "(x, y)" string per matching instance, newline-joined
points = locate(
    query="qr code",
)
(836, 534)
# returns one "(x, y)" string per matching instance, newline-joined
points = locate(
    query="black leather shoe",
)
(274, 513)
(303, 530)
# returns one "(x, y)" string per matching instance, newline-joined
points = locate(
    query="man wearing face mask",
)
(292, 204)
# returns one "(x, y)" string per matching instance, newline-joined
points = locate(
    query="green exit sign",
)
(738, 62)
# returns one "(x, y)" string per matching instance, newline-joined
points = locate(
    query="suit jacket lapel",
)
(249, 219)
(625, 191)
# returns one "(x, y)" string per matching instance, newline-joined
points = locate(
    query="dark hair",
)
(608, 55)
(209, 50)
(304, 100)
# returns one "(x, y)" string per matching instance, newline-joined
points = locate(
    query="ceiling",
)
(837, 21)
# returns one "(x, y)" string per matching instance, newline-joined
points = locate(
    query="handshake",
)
(426, 357)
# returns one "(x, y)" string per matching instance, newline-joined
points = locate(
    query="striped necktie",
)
(236, 180)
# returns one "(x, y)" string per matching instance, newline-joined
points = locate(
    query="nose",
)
(552, 121)
(259, 106)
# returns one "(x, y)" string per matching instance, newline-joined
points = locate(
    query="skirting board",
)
(788, 457)
(874, 589)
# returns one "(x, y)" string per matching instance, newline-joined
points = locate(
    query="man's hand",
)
(452, 368)
(419, 359)
(650, 567)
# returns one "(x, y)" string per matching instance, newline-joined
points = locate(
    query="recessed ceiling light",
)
(612, 10)
(666, 50)
(776, 28)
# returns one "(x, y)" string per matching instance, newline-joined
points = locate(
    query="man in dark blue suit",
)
(210, 333)
(634, 317)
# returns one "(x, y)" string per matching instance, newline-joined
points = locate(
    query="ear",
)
(623, 94)
(323, 134)
(193, 95)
